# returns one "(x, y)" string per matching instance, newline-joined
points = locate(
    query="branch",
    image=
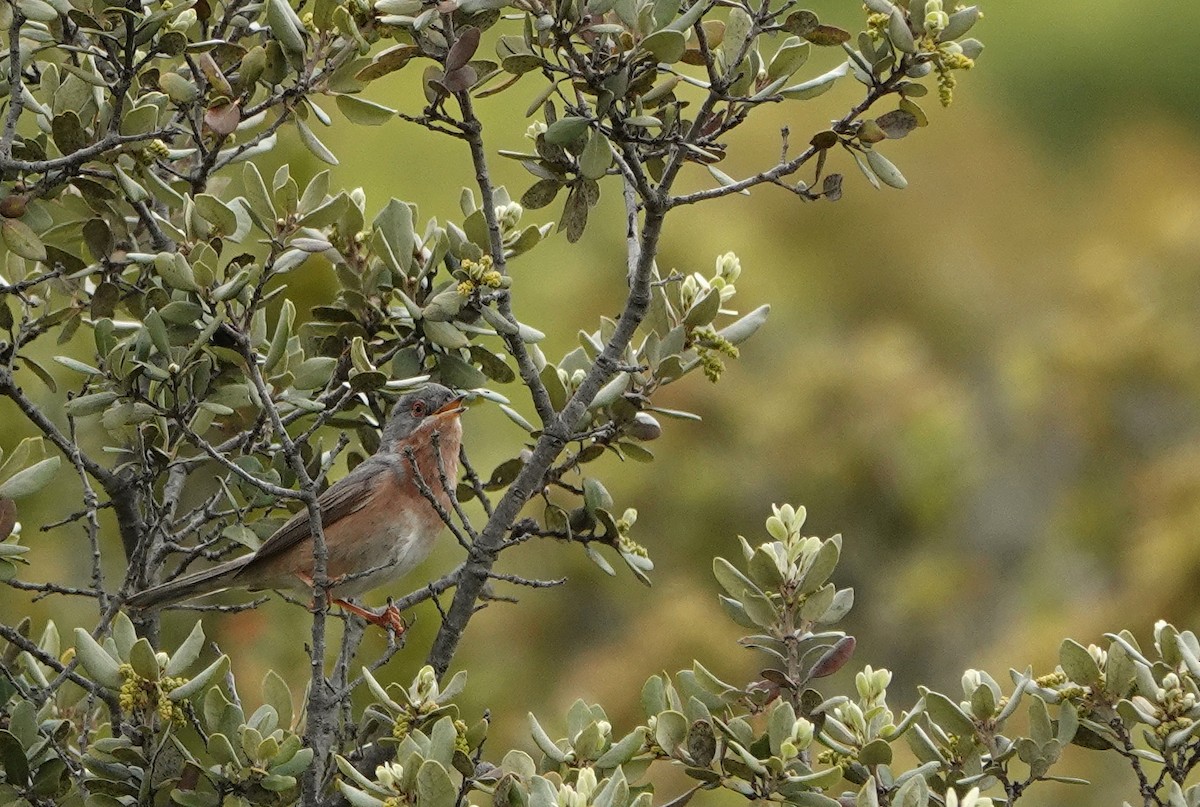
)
(473, 134)
(789, 167)
(16, 100)
(319, 733)
(72, 161)
(65, 671)
(550, 444)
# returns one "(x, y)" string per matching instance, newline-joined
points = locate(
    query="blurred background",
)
(989, 383)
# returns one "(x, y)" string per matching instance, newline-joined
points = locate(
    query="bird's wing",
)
(341, 498)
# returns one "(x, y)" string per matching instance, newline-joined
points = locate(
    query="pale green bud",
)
(388, 774)
(586, 783)
(536, 128)
(426, 683)
(184, 21)
(509, 215)
(972, 799)
(849, 714)
(688, 290)
(729, 267)
(802, 733)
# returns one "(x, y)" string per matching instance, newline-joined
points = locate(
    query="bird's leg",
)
(389, 618)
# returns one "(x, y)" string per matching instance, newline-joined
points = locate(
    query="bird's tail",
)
(207, 581)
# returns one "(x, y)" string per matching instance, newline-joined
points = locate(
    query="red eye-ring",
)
(418, 409)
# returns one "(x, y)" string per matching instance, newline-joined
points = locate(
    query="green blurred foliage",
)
(988, 383)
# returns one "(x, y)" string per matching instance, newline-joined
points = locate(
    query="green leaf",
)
(670, 730)
(597, 154)
(91, 404)
(566, 130)
(876, 752)
(947, 714)
(364, 112)
(624, 750)
(815, 86)
(1076, 661)
(285, 27)
(705, 310)
(821, 567)
(888, 173)
(801, 22)
(175, 271)
(157, 330)
(29, 480)
(388, 61)
(12, 755)
(358, 798)
(283, 332)
(899, 32)
(257, 195)
(313, 373)
(666, 46)
(102, 667)
(914, 792)
(543, 741)
(76, 365)
(187, 653)
(200, 681)
(960, 23)
(393, 230)
(897, 123)
(140, 120)
(732, 580)
(790, 57)
(143, 660)
(444, 334)
(216, 212)
(22, 240)
(310, 141)
(827, 36)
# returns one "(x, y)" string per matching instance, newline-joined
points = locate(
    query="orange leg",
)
(389, 618)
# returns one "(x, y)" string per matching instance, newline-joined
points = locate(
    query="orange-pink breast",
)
(390, 534)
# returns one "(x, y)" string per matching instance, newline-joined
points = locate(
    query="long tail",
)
(207, 581)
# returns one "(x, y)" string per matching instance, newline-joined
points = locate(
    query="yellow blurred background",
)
(989, 383)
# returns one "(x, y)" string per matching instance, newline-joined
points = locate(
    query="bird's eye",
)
(418, 409)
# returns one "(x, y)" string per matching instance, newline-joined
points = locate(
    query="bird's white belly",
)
(409, 540)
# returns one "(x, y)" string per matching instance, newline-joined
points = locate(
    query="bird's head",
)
(431, 404)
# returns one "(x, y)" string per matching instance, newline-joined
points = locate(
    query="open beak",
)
(451, 407)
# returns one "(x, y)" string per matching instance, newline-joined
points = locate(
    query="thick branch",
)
(478, 567)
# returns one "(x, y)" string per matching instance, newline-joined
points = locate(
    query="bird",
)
(377, 522)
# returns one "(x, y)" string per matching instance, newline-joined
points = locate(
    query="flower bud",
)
(936, 22)
(509, 215)
(729, 267)
(184, 21)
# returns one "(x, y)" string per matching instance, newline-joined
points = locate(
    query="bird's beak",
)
(451, 407)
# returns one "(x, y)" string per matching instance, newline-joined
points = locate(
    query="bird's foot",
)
(389, 618)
